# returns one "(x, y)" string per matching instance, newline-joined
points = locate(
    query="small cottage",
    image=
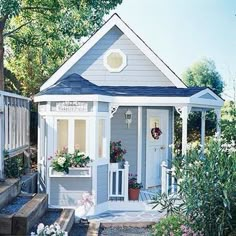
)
(113, 88)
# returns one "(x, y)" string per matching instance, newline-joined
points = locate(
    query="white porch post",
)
(218, 119)
(203, 125)
(184, 115)
(139, 154)
(126, 181)
(164, 187)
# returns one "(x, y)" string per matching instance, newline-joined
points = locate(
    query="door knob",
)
(163, 147)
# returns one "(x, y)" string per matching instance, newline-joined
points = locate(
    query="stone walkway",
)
(127, 217)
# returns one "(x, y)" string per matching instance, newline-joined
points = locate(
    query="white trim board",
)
(115, 20)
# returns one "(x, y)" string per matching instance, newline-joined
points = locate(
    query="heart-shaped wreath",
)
(156, 132)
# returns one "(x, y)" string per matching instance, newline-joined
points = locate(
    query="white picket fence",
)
(118, 181)
(14, 125)
(168, 180)
(119, 177)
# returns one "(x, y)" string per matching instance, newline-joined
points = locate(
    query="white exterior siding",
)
(139, 70)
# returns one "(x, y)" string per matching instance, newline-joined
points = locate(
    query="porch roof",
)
(75, 88)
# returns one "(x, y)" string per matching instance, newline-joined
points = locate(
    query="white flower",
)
(61, 161)
(40, 228)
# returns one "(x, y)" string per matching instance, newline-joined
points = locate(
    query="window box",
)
(73, 172)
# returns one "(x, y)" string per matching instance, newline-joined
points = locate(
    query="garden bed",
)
(50, 216)
(15, 205)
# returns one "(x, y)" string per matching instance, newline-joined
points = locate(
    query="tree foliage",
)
(40, 34)
(228, 121)
(204, 74)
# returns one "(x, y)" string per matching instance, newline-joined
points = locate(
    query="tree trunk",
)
(2, 24)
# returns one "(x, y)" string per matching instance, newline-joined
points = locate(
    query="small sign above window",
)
(70, 106)
(115, 60)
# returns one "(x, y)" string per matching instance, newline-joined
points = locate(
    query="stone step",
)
(9, 189)
(29, 214)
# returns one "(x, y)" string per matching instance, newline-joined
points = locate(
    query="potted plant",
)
(116, 152)
(134, 187)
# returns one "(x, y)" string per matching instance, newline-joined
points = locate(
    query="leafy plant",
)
(133, 182)
(169, 226)
(13, 166)
(172, 204)
(116, 152)
(79, 159)
(63, 160)
(207, 185)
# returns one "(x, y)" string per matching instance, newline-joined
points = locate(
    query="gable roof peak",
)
(115, 20)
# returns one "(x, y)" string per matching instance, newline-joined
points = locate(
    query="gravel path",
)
(125, 231)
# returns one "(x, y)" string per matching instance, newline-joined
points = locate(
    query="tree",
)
(228, 122)
(204, 74)
(47, 21)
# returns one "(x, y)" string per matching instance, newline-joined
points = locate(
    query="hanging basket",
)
(156, 132)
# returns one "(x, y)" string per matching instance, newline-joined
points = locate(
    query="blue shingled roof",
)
(75, 84)
(152, 91)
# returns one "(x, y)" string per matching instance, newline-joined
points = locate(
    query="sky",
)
(182, 32)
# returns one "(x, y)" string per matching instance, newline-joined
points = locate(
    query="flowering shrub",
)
(54, 229)
(174, 225)
(116, 152)
(79, 159)
(133, 182)
(169, 226)
(207, 182)
(63, 160)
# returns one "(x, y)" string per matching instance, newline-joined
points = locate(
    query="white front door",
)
(156, 147)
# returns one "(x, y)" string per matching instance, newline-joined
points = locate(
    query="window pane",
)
(80, 135)
(62, 134)
(101, 138)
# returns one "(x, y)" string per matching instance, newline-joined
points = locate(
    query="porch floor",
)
(127, 216)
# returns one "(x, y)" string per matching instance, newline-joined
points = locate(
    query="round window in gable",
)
(115, 60)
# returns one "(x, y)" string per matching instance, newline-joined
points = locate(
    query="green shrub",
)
(13, 166)
(169, 226)
(208, 185)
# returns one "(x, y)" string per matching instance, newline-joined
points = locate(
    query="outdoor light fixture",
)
(128, 117)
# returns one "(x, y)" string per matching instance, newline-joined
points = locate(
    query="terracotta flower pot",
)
(134, 193)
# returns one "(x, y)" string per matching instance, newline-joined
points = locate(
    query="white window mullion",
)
(71, 135)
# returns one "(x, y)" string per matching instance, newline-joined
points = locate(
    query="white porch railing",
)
(168, 180)
(118, 181)
(14, 125)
